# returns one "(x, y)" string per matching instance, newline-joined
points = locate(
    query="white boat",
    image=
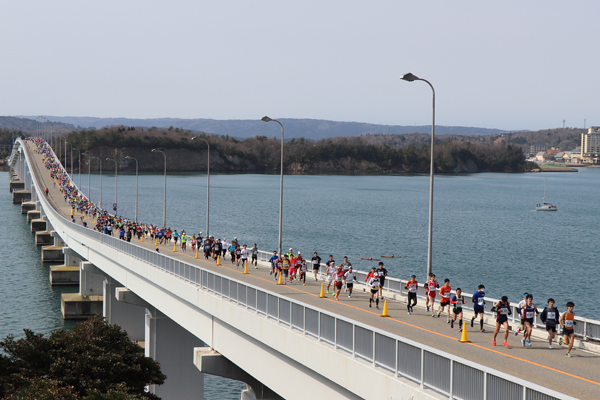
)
(543, 206)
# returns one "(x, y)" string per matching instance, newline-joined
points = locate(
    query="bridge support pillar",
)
(91, 279)
(130, 317)
(173, 346)
(209, 361)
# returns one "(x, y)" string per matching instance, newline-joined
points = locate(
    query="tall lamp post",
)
(207, 180)
(136, 185)
(115, 206)
(65, 154)
(99, 159)
(89, 167)
(78, 166)
(165, 202)
(267, 119)
(410, 78)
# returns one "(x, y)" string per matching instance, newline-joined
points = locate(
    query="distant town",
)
(585, 154)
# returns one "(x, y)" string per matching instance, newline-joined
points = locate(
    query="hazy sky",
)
(496, 64)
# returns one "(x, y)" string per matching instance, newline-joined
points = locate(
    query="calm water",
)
(486, 230)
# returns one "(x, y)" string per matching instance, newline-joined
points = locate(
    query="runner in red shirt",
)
(431, 286)
(445, 293)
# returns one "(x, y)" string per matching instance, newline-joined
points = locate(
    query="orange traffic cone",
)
(175, 247)
(280, 280)
(463, 337)
(196, 254)
(142, 238)
(156, 242)
(385, 310)
(322, 295)
(246, 268)
(218, 260)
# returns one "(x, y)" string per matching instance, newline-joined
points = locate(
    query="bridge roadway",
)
(578, 376)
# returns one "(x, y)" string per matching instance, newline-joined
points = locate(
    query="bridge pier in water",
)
(173, 347)
(129, 316)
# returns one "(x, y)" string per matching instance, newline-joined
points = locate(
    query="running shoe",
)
(327, 291)
(370, 305)
(452, 324)
(529, 343)
(271, 273)
(409, 313)
(482, 330)
(505, 344)
(336, 297)
(349, 295)
(493, 342)
(433, 315)
(517, 332)
(438, 314)
(377, 306)
(460, 329)
(560, 341)
(569, 355)
(523, 342)
(472, 319)
(447, 321)
(427, 308)
(304, 284)
(550, 347)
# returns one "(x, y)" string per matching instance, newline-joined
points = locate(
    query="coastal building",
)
(590, 146)
(537, 147)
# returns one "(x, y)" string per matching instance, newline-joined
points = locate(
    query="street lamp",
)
(410, 78)
(89, 166)
(267, 119)
(136, 185)
(78, 166)
(115, 206)
(65, 154)
(165, 202)
(207, 180)
(99, 159)
(71, 161)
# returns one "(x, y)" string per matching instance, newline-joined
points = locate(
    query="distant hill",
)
(29, 124)
(294, 128)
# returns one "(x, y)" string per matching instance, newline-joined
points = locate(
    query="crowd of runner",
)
(292, 267)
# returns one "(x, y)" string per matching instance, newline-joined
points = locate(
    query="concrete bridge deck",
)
(578, 376)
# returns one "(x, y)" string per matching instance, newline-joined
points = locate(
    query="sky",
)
(507, 65)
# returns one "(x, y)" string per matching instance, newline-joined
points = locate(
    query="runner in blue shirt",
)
(478, 306)
(273, 261)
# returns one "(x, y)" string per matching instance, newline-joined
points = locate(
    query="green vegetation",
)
(343, 155)
(94, 361)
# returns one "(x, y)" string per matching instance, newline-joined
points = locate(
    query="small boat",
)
(392, 256)
(371, 259)
(543, 206)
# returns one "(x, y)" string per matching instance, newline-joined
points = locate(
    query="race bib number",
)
(504, 311)
(529, 314)
(480, 301)
(551, 315)
(446, 295)
(569, 323)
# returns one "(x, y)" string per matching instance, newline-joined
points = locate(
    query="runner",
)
(273, 261)
(224, 247)
(382, 272)
(528, 311)
(194, 242)
(549, 317)
(412, 287)
(232, 252)
(338, 278)
(431, 286)
(350, 277)
(303, 269)
(238, 255)
(478, 306)
(183, 241)
(457, 301)
(567, 321)
(445, 293)
(285, 265)
(216, 249)
(330, 264)
(345, 267)
(207, 249)
(290, 254)
(374, 285)
(254, 252)
(293, 262)
(244, 254)
(520, 307)
(316, 263)
(502, 312)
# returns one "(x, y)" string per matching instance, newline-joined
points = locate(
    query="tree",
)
(93, 361)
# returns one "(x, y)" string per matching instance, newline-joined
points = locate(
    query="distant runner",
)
(550, 316)
(478, 306)
(412, 287)
(445, 293)
(316, 263)
(567, 321)
(502, 312)
(457, 302)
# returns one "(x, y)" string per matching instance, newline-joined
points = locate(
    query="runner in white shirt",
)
(225, 247)
(330, 265)
(244, 256)
(350, 277)
(374, 285)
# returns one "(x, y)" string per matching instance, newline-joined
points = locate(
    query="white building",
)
(590, 145)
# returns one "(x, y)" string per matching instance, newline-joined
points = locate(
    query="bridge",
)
(284, 341)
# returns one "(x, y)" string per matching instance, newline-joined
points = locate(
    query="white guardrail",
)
(431, 368)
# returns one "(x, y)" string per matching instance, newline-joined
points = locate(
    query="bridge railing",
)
(585, 328)
(427, 366)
